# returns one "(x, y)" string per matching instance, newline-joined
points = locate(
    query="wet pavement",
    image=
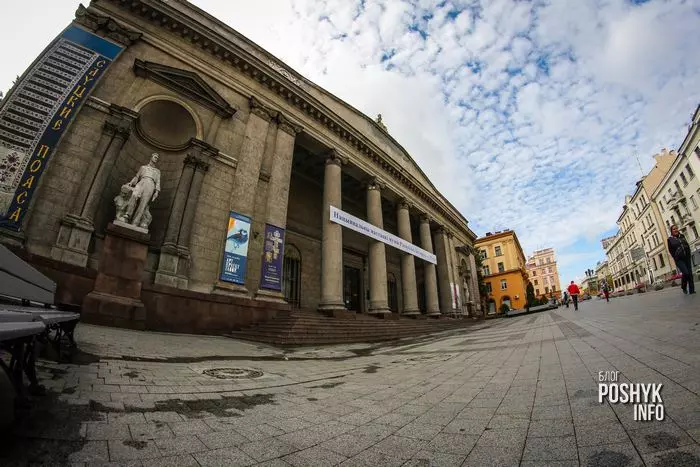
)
(512, 391)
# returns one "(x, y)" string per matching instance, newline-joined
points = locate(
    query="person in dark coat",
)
(680, 250)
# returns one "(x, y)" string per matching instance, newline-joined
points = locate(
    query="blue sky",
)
(525, 114)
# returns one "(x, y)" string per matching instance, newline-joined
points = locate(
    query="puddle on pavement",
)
(662, 441)
(677, 459)
(327, 385)
(609, 459)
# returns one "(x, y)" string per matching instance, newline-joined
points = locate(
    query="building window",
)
(537, 291)
(534, 273)
(487, 271)
(554, 288)
(655, 266)
(546, 290)
(695, 231)
(661, 261)
(693, 202)
(497, 251)
(484, 254)
(501, 267)
(678, 187)
(689, 170)
(536, 282)
(504, 284)
(549, 260)
(488, 287)
(685, 180)
(291, 276)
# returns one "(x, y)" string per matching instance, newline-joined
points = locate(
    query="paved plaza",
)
(512, 391)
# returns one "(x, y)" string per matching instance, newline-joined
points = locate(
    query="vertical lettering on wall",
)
(40, 109)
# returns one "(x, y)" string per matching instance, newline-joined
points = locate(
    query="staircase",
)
(313, 328)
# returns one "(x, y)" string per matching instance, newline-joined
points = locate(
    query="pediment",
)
(187, 83)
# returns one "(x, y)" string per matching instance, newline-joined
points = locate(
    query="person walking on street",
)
(606, 292)
(680, 250)
(566, 299)
(574, 292)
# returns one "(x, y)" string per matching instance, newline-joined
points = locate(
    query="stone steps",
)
(312, 328)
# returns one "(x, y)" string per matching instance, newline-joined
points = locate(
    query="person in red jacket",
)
(574, 292)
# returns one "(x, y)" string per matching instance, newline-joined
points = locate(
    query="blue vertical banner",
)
(273, 254)
(233, 268)
(39, 111)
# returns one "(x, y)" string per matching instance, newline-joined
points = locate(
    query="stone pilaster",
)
(244, 189)
(431, 292)
(76, 228)
(378, 299)
(175, 253)
(278, 189)
(408, 265)
(443, 270)
(332, 239)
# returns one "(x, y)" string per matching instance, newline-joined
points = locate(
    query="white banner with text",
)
(365, 228)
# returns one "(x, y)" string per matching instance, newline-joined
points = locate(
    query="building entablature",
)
(224, 44)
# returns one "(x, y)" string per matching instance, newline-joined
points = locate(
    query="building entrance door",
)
(351, 288)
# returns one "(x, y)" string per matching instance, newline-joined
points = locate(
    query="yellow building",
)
(504, 270)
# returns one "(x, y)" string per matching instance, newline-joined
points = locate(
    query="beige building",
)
(543, 273)
(678, 193)
(602, 272)
(243, 140)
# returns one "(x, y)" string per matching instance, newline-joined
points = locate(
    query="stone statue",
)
(136, 196)
(380, 122)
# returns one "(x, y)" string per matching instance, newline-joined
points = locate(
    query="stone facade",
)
(236, 131)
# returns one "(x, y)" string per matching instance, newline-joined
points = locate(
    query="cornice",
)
(165, 17)
(105, 26)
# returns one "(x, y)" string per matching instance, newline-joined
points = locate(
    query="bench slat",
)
(20, 280)
(10, 331)
(14, 317)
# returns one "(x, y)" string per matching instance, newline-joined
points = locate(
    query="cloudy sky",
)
(525, 114)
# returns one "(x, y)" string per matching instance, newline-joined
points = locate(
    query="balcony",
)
(677, 198)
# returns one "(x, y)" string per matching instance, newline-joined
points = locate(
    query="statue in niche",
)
(135, 197)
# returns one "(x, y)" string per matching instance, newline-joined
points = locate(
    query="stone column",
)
(454, 273)
(175, 252)
(250, 159)
(332, 240)
(76, 227)
(431, 293)
(475, 294)
(408, 265)
(378, 300)
(244, 189)
(278, 190)
(443, 270)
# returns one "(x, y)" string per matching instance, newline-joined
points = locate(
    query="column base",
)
(379, 311)
(270, 296)
(334, 309)
(228, 288)
(412, 312)
(73, 240)
(112, 310)
(172, 266)
(434, 314)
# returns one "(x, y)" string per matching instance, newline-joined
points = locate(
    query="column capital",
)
(425, 218)
(404, 203)
(257, 108)
(105, 26)
(374, 183)
(287, 126)
(332, 157)
(119, 129)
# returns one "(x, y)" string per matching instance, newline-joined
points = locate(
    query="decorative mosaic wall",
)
(40, 108)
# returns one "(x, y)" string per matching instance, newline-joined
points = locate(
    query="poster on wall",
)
(39, 109)
(236, 249)
(273, 254)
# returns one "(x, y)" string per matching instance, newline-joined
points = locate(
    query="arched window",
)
(391, 293)
(291, 276)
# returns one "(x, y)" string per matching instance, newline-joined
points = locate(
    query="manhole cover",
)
(233, 373)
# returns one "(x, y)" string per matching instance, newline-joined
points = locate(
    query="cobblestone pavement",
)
(515, 391)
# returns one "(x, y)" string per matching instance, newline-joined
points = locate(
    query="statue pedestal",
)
(116, 298)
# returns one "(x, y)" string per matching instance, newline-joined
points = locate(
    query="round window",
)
(166, 124)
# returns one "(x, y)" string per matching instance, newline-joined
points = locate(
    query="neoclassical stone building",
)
(273, 192)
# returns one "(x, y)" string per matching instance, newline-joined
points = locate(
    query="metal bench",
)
(18, 338)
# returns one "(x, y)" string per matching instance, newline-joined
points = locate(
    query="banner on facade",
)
(235, 261)
(39, 110)
(365, 228)
(273, 254)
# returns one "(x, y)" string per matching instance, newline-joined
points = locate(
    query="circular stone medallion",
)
(233, 373)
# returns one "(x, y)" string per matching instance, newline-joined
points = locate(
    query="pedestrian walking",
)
(565, 299)
(606, 291)
(574, 292)
(680, 250)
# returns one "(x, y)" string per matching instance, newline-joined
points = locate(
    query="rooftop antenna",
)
(641, 170)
